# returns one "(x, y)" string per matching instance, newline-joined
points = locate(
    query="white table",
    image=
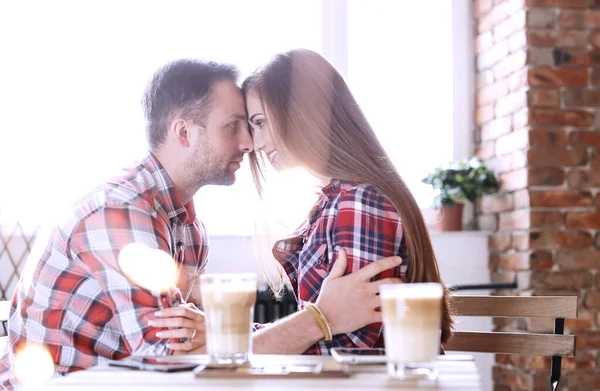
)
(455, 373)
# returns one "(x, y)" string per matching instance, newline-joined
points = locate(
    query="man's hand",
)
(351, 302)
(184, 321)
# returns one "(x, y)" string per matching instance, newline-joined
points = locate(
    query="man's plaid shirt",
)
(352, 216)
(73, 299)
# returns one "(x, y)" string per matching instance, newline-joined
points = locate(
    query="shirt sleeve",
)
(368, 227)
(108, 302)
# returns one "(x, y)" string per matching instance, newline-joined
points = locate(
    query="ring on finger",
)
(193, 334)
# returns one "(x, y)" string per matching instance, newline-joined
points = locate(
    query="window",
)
(73, 76)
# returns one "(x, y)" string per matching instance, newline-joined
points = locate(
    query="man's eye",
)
(234, 125)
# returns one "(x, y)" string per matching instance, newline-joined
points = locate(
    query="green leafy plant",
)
(460, 181)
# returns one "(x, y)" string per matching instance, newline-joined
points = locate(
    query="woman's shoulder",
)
(360, 195)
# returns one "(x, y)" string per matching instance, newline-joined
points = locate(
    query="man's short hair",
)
(182, 87)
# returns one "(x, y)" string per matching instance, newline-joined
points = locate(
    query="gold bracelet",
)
(320, 320)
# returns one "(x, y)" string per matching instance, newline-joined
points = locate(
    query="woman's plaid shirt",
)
(352, 216)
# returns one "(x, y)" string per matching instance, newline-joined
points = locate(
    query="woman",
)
(302, 113)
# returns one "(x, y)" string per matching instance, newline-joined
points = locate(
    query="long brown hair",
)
(312, 113)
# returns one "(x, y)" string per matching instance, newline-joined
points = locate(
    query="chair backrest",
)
(557, 307)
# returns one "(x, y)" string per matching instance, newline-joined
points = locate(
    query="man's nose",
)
(246, 142)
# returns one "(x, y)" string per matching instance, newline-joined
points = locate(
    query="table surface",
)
(456, 372)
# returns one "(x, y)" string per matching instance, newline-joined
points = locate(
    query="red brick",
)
(546, 77)
(521, 199)
(491, 93)
(588, 340)
(511, 103)
(577, 57)
(584, 178)
(552, 117)
(512, 141)
(518, 219)
(520, 119)
(595, 160)
(498, 52)
(518, 159)
(487, 222)
(496, 203)
(545, 176)
(541, 137)
(483, 42)
(560, 239)
(557, 3)
(567, 38)
(592, 299)
(499, 242)
(583, 220)
(503, 276)
(584, 138)
(492, 18)
(485, 78)
(509, 26)
(580, 19)
(517, 80)
(588, 259)
(481, 7)
(514, 378)
(541, 18)
(560, 280)
(540, 56)
(520, 241)
(584, 321)
(510, 261)
(538, 97)
(556, 157)
(485, 150)
(513, 180)
(595, 38)
(510, 64)
(484, 114)
(517, 41)
(560, 198)
(595, 77)
(579, 97)
(496, 128)
(545, 219)
(542, 37)
(540, 260)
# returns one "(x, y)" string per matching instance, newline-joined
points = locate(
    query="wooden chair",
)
(554, 345)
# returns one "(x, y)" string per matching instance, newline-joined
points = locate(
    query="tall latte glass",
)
(412, 315)
(228, 301)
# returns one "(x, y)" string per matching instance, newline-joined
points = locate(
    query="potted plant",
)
(457, 182)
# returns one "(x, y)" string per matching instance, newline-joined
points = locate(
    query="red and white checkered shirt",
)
(72, 297)
(359, 219)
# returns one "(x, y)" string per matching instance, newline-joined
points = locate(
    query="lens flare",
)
(33, 365)
(152, 269)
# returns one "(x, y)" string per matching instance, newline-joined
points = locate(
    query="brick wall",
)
(538, 125)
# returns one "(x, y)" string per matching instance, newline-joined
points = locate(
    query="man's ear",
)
(180, 130)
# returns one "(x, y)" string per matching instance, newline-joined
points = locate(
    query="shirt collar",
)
(167, 194)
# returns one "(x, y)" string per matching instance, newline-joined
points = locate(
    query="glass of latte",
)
(412, 315)
(228, 301)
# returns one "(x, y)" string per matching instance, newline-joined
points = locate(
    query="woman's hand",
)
(183, 322)
(351, 302)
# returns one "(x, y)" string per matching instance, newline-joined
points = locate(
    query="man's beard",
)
(206, 167)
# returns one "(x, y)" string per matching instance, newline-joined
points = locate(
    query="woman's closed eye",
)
(258, 124)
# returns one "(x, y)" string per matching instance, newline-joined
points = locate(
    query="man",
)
(74, 299)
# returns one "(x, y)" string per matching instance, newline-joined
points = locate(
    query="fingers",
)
(182, 311)
(374, 286)
(184, 346)
(181, 333)
(375, 268)
(339, 267)
(175, 323)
